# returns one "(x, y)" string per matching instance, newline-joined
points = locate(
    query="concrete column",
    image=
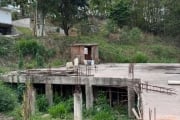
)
(49, 93)
(89, 96)
(131, 100)
(33, 100)
(78, 106)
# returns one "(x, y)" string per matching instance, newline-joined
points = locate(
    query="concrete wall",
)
(22, 23)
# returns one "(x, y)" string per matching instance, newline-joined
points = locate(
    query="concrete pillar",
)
(78, 106)
(131, 100)
(33, 100)
(49, 93)
(89, 96)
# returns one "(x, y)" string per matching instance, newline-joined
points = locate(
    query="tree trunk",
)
(22, 10)
(65, 28)
(42, 17)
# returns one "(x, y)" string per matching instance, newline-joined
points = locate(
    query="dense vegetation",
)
(8, 99)
(62, 109)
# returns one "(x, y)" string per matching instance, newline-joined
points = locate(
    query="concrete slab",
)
(167, 106)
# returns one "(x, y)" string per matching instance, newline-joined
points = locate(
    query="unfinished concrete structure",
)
(113, 79)
(85, 52)
(118, 90)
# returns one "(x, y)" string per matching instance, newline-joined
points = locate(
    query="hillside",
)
(123, 46)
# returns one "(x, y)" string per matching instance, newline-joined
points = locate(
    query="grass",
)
(25, 31)
(149, 49)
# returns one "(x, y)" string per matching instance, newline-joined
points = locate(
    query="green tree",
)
(43, 8)
(69, 12)
(8, 99)
(120, 13)
(99, 7)
(23, 6)
(172, 18)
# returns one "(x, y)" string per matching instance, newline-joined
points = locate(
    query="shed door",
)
(88, 55)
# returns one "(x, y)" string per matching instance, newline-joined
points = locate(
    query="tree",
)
(172, 18)
(120, 13)
(23, 6)
(4, 3)
(69, 12)
(43, 8)
(99, 7)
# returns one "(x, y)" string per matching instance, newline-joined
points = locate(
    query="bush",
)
(8, 98)
(62, 109)
(59, 110)
(135, 34)
(6, 46)
(162, 51)
(111, 27)
(42, 103)
(101, 110)
(39, 60)
(30, 47)
(140, 57)
(132, 36)
(104, 115)
(17, 113)
(20, 91)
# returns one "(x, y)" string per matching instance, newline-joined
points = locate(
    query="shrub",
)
(20, 61)
(8, 99)
(140, 57)
(56, 62)
(162, 51)
(135, 34)
(39, 60)
(20, 91)
(30, 47)
(104, 115)
(17, 113)
(6, 46)
(42, 103)
(59, 110)
(111, 26)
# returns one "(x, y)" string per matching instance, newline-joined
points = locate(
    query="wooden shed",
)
(85, 52)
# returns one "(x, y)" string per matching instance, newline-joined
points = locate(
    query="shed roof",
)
(85, 44)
